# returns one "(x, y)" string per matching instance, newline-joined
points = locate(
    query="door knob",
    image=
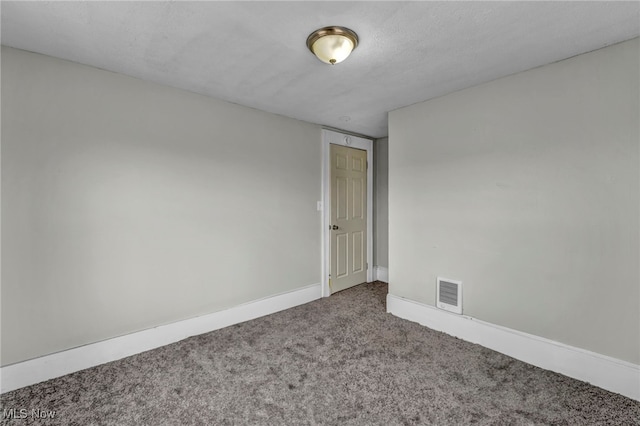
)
(334, 227)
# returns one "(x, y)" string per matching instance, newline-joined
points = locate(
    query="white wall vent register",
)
(449, 295)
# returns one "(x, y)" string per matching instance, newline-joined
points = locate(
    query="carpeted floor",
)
(341, 360)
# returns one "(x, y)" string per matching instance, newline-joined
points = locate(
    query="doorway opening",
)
(347, 200)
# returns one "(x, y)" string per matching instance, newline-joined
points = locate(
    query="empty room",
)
(320, 213)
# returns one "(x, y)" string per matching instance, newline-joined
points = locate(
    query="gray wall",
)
(527, 190)
(381, 202)
(126, 205)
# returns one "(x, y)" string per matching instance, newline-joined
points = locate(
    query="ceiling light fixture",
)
(332, 45)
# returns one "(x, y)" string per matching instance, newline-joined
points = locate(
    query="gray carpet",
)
(341, 360)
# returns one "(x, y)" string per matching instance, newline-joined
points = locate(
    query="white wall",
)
(381, 202)
(126, 205)
(527, 190)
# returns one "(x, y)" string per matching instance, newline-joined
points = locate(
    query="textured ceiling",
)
(254, 53)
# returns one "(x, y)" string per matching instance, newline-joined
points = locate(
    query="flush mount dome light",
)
(332, 45)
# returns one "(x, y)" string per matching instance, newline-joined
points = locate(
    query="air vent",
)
(449, 295)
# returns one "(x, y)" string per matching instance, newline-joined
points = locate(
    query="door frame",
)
(330, 137)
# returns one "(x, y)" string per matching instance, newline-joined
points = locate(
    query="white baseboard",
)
(600, 370)
(381, 274)
(58, 364)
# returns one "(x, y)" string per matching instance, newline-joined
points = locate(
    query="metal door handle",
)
(334, 227)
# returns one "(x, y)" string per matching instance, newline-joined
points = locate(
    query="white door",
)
(348, 225)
